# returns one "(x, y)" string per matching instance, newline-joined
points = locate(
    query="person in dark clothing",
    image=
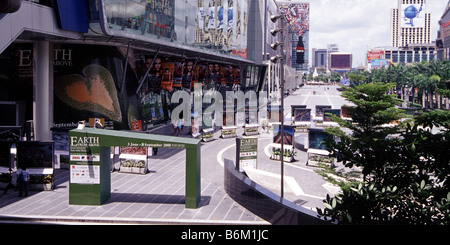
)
(23, 180)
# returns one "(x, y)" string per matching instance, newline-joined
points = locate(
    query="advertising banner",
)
(297, 16)
(88, 83)
(375, 54)
(216, 25)
(412, 15)
(378, 63)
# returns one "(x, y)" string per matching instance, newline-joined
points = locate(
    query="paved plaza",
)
(158, 197)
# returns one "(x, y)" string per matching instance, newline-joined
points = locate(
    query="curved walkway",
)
(158, 197)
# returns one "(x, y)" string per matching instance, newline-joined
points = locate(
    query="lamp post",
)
(274, 59)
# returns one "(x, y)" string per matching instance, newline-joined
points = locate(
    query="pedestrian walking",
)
(177, 126)
(174, 126)
(23, 181)
(180, 125)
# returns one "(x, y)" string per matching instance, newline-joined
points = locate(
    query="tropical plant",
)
(406, 168)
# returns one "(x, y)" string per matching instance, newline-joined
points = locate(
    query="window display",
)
(35, 154)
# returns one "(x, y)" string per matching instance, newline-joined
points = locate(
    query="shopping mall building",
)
(62, 62)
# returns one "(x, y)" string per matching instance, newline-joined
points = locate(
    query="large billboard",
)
(378, 63)
(89, 84)
(374, 54)
(222, 24)
(412, 15)
(219, 26)
(297, 18)
(296, 15)
(341, 61)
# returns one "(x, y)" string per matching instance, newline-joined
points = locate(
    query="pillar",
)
(42, 96)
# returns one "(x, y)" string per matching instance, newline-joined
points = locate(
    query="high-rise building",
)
(443, 37)
(410, 23)
(319, 59)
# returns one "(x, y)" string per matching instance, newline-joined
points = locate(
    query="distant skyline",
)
(359, 25)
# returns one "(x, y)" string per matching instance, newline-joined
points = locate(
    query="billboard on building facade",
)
(88, 84)
(375, 54)
(222, 25)
(297, 16)
(378, 63)
(445, 31)
(341, 61)
(219, 26)
(412, 15)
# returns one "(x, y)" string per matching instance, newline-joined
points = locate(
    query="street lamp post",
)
(274, 59)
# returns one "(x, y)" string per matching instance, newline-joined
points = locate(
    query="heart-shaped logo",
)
(94, 92)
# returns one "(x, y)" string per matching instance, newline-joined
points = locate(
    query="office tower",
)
(410, 23)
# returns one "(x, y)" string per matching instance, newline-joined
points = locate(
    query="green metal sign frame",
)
(90, 164)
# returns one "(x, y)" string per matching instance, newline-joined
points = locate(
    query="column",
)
(42, 96)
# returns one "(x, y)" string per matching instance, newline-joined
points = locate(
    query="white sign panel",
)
(247, 163)
(85, 174)
(84, 158)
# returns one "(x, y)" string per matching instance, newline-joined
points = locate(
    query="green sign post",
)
(90, 163)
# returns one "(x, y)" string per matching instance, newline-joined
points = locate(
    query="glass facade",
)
(219, 26)
(132, 89)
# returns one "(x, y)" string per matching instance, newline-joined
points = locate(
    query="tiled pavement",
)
(158, 196)
(154, 198)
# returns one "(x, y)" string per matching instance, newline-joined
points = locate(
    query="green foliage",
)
(429, 78)
(366, 146)
(405, 167)
(370, 203)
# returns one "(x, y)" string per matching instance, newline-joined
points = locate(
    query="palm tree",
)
(443, 71)
(434, 81)
(420, 82)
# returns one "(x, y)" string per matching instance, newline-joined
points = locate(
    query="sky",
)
(359, 25)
